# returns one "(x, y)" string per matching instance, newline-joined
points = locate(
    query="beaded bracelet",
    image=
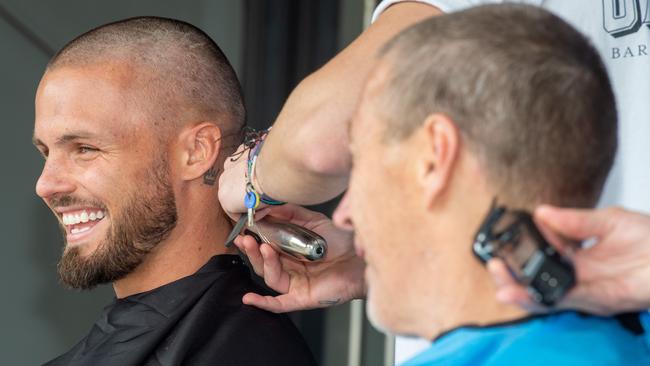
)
(253, 197)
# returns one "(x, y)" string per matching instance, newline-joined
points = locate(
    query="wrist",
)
(231, 187)
(253, 184)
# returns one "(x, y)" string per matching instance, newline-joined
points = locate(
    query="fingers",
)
(508, 290)
(274, 274)
(249, 246)
(575, 223)
(266, 263)
(275, 304)
(500, 273)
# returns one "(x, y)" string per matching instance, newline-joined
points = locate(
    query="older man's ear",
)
(199, 147)
(441, 140)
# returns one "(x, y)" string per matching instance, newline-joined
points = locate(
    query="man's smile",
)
(80, 222)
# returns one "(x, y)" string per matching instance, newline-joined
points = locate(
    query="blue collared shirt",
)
(566, 338)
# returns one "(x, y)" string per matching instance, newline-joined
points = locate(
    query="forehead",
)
(96, 98)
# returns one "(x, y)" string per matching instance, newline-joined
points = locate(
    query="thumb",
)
(574, 223)
(275, 304)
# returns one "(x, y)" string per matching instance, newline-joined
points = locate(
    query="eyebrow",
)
(62, 140)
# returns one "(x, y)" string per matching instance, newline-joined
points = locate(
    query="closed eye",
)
(86, 152)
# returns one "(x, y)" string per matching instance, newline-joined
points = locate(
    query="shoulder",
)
(574, 339)
(250, 336)
(221, 328)
(561, 339)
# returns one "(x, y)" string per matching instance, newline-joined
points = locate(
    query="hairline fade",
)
(179, 67)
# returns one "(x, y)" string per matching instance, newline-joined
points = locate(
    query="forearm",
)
(305, 158)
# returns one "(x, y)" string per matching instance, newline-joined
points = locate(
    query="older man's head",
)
(498, 101)
(132, 118)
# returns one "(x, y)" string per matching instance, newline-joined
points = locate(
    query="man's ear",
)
(441, 139)
(200, 145)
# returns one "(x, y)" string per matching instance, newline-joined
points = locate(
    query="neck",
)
(198, 236)
(469, 291)
(477, 305)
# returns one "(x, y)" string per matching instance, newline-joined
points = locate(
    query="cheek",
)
(98, 178)
(111, 180)
(100, 186)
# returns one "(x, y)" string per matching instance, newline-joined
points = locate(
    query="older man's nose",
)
(53, 181)
(341, 216)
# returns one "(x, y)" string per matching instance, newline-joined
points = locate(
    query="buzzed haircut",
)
(528, 93)
(181, 67)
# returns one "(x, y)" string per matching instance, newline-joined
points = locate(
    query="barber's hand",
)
(336, 279)
(232, 184)
(612, 276)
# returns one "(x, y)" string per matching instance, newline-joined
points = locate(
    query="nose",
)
(53, 181)
(341, 216)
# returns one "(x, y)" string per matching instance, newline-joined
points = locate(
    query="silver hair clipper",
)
(285, 237)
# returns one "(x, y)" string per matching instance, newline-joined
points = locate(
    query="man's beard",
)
(145, 219)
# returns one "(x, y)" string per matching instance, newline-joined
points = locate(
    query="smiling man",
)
(497, 101)
(133, 119)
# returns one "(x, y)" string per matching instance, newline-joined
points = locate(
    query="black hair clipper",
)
(514, 237)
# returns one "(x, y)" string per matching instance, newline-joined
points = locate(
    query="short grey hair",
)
(529, 94)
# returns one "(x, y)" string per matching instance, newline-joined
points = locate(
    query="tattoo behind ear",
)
(210, 177)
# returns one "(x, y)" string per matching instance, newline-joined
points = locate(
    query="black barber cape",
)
(197, 320)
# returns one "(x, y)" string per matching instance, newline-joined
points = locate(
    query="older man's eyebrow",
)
(69, 137)
(64, 139)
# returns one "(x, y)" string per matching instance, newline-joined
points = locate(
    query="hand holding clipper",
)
(285, 237)
(514, 237)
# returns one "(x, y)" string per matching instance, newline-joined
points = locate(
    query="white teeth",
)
(79, 230)
(82, 217)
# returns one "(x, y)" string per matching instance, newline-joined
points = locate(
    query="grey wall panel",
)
(38, 317)
(57, 22)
